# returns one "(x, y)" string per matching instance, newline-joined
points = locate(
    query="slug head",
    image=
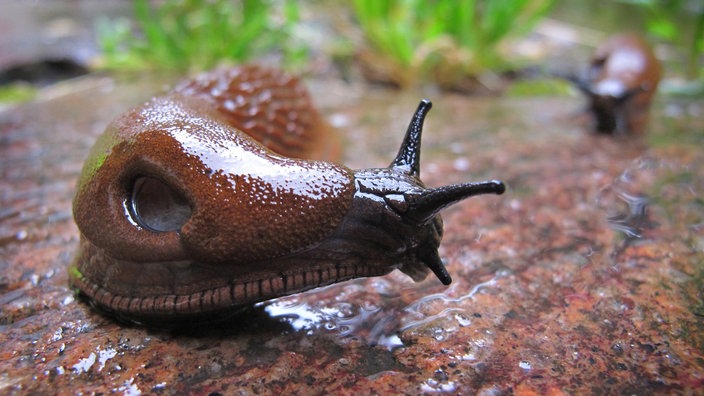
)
(403, 212)
(614, 111)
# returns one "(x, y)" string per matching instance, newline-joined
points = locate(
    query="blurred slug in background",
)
(213, 197)
(620, 83)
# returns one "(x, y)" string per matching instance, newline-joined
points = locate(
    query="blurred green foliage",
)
(680, 23)
(405, 42)
(17, 93)
(183, 35)
(539, 87)
(444, 40)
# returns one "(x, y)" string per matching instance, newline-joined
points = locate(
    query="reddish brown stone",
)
(550, 295)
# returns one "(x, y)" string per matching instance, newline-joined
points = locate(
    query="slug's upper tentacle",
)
(183, 214)
(408, 158)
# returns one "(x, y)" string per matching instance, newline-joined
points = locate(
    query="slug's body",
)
(182, 214)
(620, 82)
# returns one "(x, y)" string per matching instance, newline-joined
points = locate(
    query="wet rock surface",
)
(585, 277)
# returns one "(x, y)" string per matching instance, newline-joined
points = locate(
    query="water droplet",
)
(339, 120)
(85, 364)
(439, 334)
(390, 342)
(67, 300)
(105, 355)
(461, 164)
(462, 320)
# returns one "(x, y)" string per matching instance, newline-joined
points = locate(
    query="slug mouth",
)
(162, 293)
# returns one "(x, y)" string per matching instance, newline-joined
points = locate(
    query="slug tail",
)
(408, 157)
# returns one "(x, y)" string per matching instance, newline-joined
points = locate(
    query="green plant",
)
(17, 93)
(681, 23)
(445, 39)
(198, 34)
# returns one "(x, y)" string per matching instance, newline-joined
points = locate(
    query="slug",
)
(203, 201)
(619, 83)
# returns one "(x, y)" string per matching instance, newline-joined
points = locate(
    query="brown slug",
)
(620, 82)
(186, 210)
